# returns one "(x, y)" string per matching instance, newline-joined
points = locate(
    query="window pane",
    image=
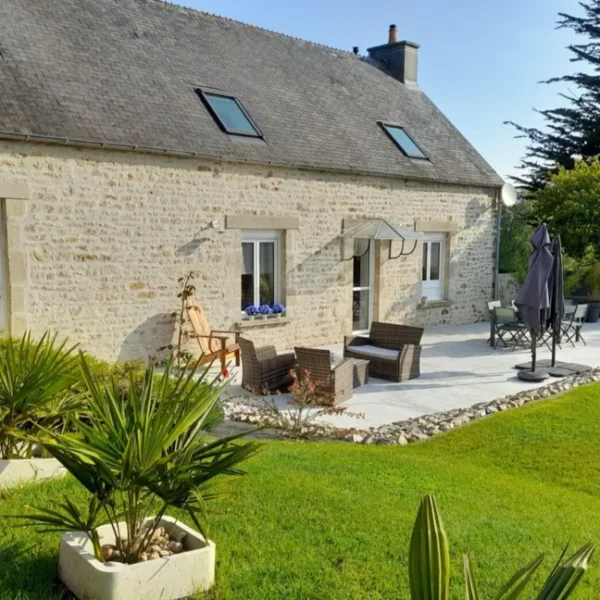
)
(434, 273)
(360, 310)
(247, 274)
(230, 113)
(361, 263)
(267, 272)
(405, 142)
(425, 248)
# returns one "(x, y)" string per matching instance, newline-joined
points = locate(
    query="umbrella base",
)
(533, 375)
(562, 369)
(559, 372)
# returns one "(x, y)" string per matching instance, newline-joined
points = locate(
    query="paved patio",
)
(458, 369)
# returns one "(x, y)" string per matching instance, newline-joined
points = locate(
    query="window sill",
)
(250, 323)
(435, 304)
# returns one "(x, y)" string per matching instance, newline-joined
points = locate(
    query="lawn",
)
(336, 518)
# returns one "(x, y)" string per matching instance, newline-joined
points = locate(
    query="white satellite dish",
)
(508, 194)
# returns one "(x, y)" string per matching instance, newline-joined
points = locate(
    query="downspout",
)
(497, 261)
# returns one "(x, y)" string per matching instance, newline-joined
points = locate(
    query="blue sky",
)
(480, 60)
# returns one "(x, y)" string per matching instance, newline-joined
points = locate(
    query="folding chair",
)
(491, 306)
(506, 325)
(571, 326)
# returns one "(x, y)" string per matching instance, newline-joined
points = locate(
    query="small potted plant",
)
(278, 310)
(251, 311)
(140, 452)
(38, 381)
(264, 310)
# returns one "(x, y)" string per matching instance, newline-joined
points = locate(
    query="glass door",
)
(362, 286)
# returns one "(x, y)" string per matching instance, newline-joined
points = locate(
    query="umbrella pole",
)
(533, 350)
(555, 315)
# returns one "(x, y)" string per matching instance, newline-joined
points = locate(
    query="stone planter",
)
(169, 578)
(24, 470)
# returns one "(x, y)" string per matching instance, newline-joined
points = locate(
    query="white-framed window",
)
(261, 261)
(434, 259)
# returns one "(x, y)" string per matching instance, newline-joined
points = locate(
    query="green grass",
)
(336, 518)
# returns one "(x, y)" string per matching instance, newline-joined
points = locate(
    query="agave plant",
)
(35, 389)
(140, 450)
(429, 565)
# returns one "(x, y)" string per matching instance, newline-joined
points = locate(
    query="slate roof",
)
(125, 71)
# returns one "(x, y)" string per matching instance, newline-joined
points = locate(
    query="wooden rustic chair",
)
(213, 343)
(333, 383)
(393, 351)
(263, 370)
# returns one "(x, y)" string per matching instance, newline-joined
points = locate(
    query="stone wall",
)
(507, 288)
(105, 235)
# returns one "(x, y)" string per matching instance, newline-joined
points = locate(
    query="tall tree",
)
(571, 131)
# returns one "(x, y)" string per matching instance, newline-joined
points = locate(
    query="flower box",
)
(169, 578)
(24, 470)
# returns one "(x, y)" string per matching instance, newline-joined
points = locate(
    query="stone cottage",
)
(140, 140)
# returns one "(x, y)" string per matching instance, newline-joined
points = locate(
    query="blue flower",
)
(251, 310)
(278, 309)
(265, 309)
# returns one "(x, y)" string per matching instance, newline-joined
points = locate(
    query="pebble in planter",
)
(179, 562)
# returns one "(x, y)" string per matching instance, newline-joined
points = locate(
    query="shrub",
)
(570, 205)
(37, 387)
(429, 565)
(515, 247)
(139, 451)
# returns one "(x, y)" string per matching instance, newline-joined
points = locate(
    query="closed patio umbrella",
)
(533, 300)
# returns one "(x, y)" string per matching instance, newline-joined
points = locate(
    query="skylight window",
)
(399, 136)
(229, 114)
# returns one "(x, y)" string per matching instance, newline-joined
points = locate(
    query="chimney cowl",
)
(393, 35)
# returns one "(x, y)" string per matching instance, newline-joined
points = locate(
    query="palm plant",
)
(140, 450)
(35, 389)
(429, 565)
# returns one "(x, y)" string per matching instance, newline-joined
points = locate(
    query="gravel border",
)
(250, 410)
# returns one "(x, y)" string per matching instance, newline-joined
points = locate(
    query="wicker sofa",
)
(393, 351)
(332, 383)
(263, 370)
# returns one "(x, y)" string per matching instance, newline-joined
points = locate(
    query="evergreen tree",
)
(572, 131)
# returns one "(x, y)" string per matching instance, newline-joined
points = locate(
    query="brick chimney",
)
(400, 59)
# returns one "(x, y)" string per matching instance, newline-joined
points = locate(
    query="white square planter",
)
(24, 470)
(169, 578)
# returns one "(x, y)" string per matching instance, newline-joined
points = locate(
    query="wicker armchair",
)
(333, 383)
(263, 370)
(393, 351)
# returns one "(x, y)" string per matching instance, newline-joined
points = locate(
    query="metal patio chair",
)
(492, 304)
(508, 329)
(572, 324)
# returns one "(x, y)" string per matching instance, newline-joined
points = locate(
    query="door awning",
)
(381, 229)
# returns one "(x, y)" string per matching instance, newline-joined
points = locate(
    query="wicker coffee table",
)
(360, 372)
